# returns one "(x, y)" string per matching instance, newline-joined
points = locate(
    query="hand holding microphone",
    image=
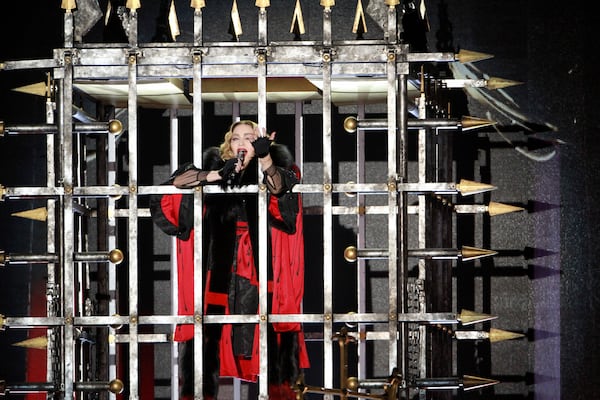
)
(232, 168)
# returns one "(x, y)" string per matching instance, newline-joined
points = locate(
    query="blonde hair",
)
(225, 147)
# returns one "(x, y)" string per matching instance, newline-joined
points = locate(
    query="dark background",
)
(551, 46)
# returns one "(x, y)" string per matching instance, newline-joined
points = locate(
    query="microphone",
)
(240, 157)
(233, 175)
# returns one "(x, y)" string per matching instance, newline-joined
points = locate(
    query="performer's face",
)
(241, 139)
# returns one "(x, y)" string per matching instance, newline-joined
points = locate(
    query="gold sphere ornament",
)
(352, 383)
(350, 124)
(116, 386)
(350, 253)
(115, 126)
(115, 256)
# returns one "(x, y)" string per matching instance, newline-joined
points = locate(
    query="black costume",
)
(230, 234)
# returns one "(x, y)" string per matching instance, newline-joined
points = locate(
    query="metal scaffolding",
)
(405, 326)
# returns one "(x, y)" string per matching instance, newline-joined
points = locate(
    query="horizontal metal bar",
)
(114, 126)
(351, 124)
(117, 320)
(114, 256)
(115, 191)
(28, 64)
(145, 338)
(115, 386)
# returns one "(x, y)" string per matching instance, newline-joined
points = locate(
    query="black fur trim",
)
(281, 155)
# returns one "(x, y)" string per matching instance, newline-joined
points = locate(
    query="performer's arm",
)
(195, 177)
(192, 176)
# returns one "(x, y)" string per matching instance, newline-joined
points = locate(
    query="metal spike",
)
(494, 83)
(359, 18)
(498, 335)
(474, 382)
(466, 187)
(40, 342)
(468, 123)
(298, 19)
(467, 317)
(197, 4)
(467, 56)
(37, 214)
(173, 22)
(68, 5)
(235, 19)
(469, 253)
(107, 13)
(133, 5)
(495, 208)
(36, 89)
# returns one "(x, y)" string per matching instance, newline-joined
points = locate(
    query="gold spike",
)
(468, 123)
(328, 3)
(2, 188)
(495, 208)
(173, 21)
(469, 253)
(466, 187)
(392, 3)
(498, 335)
(467, 56)
(235, 19)
(467, 317)
(298, 19)
(494, 83)
(198, 4)
(474, 382)
(40, 342)
(262, 3)
(423, 10)
(37, 214)
(107, 14)
(133, 5)
(68, 5)
(36, 89)
(359, 17)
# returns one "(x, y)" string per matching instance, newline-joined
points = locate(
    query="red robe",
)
(287, 286)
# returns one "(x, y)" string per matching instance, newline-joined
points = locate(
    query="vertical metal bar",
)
(51, 224)
(327, 209)
(112, 273)
(299, 136)
(262, 26)
(393, 276)
(198, 281)
(174, 162)
(361, 243)
(68, 29)
(132, 33)
(68, 278)
(262, 215)
(133, 230)
(235, 111)
(198, 39)
(422, 224)
(402, 120)
(80, 267)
